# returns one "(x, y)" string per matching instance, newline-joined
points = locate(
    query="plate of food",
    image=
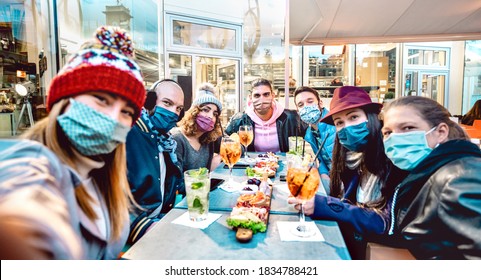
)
(250, 214)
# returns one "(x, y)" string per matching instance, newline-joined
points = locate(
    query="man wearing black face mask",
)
(151, 155)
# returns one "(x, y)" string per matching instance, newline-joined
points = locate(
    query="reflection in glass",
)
(203, 36)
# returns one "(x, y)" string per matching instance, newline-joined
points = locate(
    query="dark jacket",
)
(144, 170)
(287, 124)
(358, 224)
(438, 206)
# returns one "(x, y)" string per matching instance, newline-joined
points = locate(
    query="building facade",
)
(228, 43)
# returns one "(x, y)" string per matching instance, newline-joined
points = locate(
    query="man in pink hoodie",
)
(271, 122)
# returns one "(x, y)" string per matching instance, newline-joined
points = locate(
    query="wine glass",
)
(246, 135)
(230, 151)
(303, 181)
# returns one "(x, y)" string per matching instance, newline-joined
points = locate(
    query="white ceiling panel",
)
(376, 21)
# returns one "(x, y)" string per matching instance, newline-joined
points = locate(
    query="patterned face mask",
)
(91, 132)
(310, 114)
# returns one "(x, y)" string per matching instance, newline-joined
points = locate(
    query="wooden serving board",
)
(245, 234)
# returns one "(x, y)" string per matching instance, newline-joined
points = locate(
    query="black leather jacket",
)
(288, 124)
(441, 218)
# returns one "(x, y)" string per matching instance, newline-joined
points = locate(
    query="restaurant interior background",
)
(230, 43)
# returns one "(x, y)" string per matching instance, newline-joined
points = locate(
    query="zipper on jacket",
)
(393, 219)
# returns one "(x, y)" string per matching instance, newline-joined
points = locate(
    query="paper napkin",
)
(185, 220)
(228, 187)
(285, 232)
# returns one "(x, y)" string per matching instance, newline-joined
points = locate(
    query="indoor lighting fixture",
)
(25, 88)
(333, 49)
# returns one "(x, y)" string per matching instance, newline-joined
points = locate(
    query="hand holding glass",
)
(303, 181)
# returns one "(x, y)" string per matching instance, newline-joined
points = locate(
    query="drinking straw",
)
(303, 146)
(311, 165)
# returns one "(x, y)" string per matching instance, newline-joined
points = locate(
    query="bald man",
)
(151, 155)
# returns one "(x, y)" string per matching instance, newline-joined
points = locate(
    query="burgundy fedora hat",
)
(348, 97)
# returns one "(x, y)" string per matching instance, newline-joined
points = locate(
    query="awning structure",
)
(383, 21)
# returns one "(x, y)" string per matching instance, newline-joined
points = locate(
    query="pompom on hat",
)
(105, 65)
(206, 95)
(349, 97)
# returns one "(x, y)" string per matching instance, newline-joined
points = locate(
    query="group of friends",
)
(107, 162)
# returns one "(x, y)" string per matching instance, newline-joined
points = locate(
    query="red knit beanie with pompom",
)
(104, 65)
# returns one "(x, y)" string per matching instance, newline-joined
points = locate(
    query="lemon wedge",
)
(234, 136)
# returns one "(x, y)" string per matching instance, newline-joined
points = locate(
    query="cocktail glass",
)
(303, 181)
(197, 187)
(246, 135)
(230, 151)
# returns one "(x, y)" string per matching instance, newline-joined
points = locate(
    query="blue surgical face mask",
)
(310, 114)
(354, 137)
(163, 119)
(91, 132)
(407, 150)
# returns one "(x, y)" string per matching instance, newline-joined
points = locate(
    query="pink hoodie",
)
(266, 139)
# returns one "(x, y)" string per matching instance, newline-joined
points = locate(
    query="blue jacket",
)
(357, 224)
(315, 139)
(144, 170)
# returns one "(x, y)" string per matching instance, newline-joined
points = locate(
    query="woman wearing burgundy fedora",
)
(362, 177)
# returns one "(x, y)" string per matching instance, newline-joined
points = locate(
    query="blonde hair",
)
(111, 179)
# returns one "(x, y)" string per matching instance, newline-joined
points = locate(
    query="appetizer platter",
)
(265, 163)
(251, 213)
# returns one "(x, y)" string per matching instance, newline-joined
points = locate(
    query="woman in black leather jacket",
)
(436, 210)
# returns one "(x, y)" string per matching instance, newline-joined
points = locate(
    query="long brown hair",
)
(189, 127)
(473, 114)
(111, 179)
(374, 160)
(432, 112)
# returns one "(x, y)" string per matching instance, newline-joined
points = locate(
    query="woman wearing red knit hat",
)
(65, 184)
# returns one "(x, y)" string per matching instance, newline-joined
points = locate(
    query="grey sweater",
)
(188, 157)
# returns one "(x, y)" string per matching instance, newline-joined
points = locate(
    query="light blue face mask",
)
(310, 114)
(91, 132)
(354, 137)
(407, 150)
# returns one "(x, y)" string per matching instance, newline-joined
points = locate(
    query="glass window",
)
(25, 56)
(326, 71)
(203, 36)
(427, 57)
(79, 19)
(264, 52)
(472, 75)
(376, 70)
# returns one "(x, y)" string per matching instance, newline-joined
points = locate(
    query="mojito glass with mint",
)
(197, 187)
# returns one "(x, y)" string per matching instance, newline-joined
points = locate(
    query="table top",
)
(178, 242)
(172, 241)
